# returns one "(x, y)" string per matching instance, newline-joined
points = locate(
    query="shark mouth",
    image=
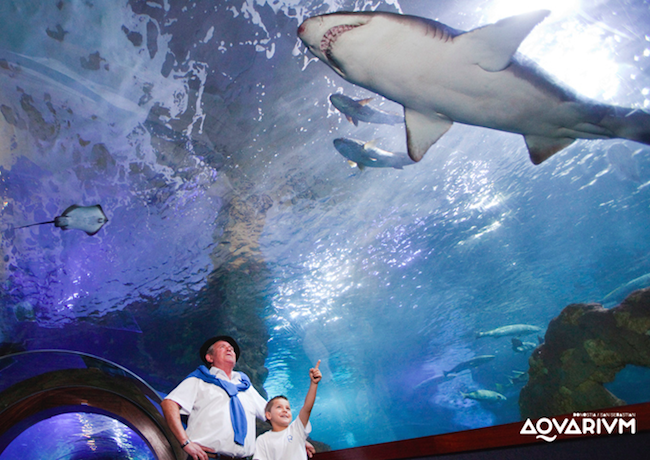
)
(330, 37)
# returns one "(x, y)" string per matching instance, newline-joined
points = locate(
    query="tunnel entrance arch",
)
(38, 385)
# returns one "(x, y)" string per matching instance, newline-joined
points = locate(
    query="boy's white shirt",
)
(288, 444)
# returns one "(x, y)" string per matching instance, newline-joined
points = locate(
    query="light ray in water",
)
(504, 8)
(588, 65)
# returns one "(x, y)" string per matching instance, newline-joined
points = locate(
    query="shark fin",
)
(370, 144)
(493, 46)
(352, 120)
(423, 131)
(352, 163)
(541, 148)
(365, 101)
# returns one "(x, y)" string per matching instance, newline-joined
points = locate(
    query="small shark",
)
(90, 219)
(517, 330)
(442, 75)
(515, 378)
(359, 110)
(472, 363)
(621, 292)
(518, 377)
(364, 154)
(435, 380)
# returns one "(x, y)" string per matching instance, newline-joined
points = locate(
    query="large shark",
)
(442, 75)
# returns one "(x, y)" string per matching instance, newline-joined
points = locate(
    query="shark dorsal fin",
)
(423, 131)
(370, 144)
(492, 46)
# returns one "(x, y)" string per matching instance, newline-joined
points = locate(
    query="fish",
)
(435, 380)
(522, 347)
(484, 395)
(472, 363)
(621, 292)
(362, 154)
(514, 329)
(90, 219)
(359, 110)
(518, 377)
(441, 75)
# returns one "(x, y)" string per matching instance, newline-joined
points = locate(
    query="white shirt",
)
(288, 444)
(208, 407)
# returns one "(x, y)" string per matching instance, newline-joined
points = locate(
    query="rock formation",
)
(585, 347)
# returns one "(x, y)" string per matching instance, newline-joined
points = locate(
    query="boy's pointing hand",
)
(315, 374)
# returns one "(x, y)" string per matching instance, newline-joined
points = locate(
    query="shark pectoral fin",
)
(365, 101)
(492, 47)
(423, 131)
(540, 148)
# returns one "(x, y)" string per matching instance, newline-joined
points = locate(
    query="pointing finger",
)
(317, 364)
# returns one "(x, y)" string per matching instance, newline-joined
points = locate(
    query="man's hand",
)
(197, 451)
(315, 374)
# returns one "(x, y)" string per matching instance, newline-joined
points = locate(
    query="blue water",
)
(78, 436)
(383, 275)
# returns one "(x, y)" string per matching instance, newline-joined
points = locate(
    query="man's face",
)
(222, 355)
(280, 413)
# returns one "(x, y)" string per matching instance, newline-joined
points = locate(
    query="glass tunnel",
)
(172, 170)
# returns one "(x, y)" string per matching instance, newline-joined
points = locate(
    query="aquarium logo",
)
(581, 424)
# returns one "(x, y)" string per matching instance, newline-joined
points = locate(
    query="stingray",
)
(90, 219)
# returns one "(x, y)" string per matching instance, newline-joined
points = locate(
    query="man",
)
(221, 404)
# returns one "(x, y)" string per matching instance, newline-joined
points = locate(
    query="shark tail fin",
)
(632, 124)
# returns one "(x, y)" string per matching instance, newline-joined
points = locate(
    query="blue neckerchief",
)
(237, 414)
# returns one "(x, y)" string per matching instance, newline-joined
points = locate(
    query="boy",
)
(286, 440)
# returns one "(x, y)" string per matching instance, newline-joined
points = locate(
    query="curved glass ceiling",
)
(78, 436)
(205, 132)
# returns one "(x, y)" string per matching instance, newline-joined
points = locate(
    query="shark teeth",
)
(331, 35)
